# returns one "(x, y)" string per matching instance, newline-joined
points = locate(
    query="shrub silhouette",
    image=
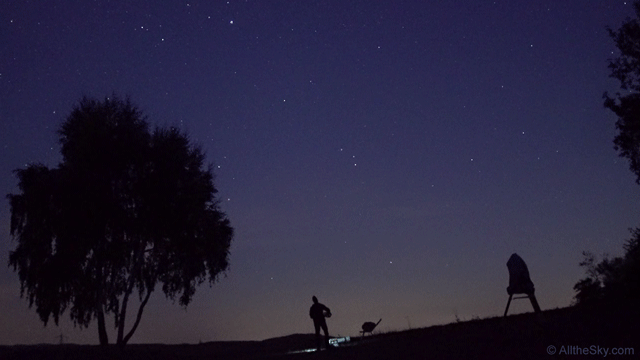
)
(615, 280)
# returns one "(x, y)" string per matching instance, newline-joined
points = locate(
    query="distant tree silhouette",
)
(612, 281)
(617, 279)
(127, 209)
(626, 105)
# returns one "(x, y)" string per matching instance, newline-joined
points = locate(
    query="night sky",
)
(385, 156)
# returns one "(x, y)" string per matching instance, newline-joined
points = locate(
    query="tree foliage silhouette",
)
(614, 281)
(617, 280)
(626, 105)
(127, 209)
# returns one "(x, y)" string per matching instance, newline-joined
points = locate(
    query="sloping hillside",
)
(569, 331)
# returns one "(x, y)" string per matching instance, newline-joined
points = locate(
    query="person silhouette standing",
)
(318, 312)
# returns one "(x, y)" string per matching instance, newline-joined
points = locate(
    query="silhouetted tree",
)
(125, 211)
(615, 280)
(618, 279)
(626, 105)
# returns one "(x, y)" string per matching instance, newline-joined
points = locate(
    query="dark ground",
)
(525, 336)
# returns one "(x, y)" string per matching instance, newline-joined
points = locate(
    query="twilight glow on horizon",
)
(386, 157)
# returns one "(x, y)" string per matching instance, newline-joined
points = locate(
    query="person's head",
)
(315, 300)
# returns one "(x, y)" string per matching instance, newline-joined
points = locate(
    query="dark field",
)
(525, 336)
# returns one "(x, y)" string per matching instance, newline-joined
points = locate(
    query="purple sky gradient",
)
(387, 157)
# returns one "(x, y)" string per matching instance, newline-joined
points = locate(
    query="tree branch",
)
(138, 317)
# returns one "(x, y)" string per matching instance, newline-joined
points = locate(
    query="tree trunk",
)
(121, 340)
(121, 322)
(123, 312)
(102, 330)
(138, 318)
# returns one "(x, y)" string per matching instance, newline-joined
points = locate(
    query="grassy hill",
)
(524, 336)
